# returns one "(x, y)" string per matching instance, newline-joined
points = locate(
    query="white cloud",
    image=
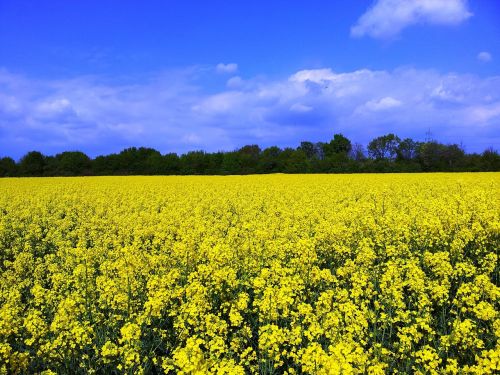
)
(481, 114)
(53, 106)
(484, 56)
(234, 82)
(171, 112)
(447, 94)
(226, 68)
(313, 75)
(382, 104)
(219, 103)
(387, 18)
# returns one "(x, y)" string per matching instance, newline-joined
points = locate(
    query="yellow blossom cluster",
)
(276, 274)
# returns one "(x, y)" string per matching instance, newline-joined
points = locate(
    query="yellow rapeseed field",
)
(316, 274)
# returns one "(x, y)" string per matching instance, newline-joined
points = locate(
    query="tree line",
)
(387, 153)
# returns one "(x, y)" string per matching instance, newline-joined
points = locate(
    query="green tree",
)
(407, 149)
(490, 160)
(249, 158)
(135, 160)
(72, 163)
(435, 156)
(171, 164)
(295, 162)
(231, 163)
(338, 145)
(307, 148)
(32, 164)
(269, 161)
(8, 167)
(194, 163)
(384, 147)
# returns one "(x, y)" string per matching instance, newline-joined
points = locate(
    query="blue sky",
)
(99, 76)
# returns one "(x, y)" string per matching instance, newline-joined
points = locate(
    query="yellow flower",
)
(318, 274)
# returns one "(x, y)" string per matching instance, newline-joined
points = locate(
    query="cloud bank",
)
(174, 112)
(387, 18)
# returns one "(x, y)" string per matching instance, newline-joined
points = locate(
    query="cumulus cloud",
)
(226, 68)
(382, 104)
(484, 56)
(173, 112)
(387, 18)
(314, 75)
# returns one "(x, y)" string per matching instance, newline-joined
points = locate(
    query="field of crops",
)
(317, 274)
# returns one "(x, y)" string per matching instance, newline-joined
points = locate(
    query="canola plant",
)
(276, 274)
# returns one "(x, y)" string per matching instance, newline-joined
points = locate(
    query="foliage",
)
(276, 274)
(385, 154)
(338, 145)
(384, 147)
(69, 163)
(434, 156)
(32, 164)
(8, 167)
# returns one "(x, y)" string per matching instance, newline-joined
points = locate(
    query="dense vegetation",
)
(275, 274)
(387, 153)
